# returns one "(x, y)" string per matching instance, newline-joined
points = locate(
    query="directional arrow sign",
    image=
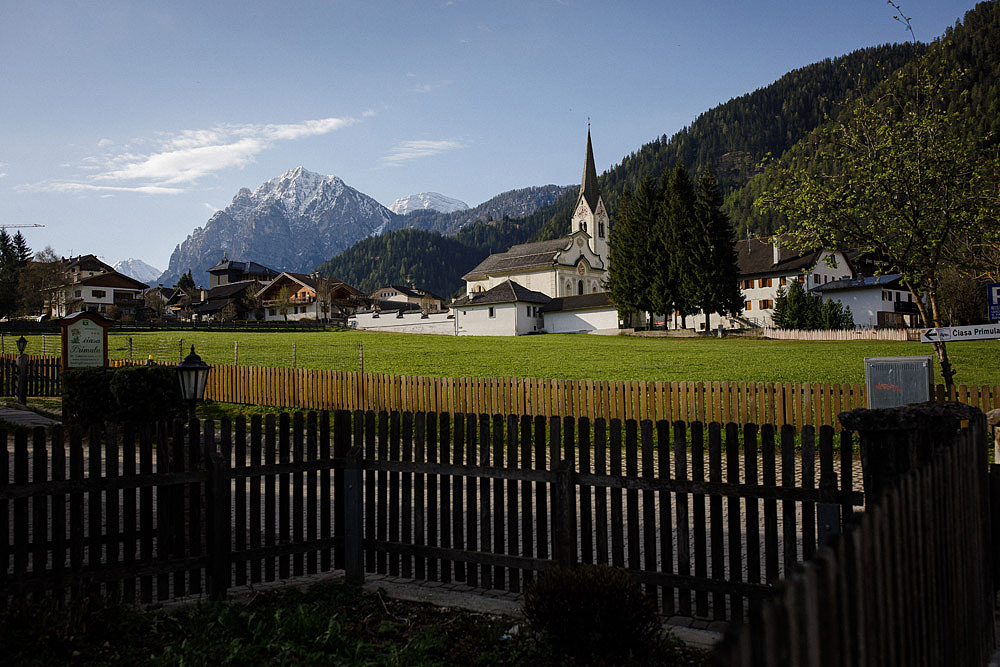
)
(949, 334)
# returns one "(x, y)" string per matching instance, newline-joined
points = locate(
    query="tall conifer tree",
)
(629, 277)
(715, 270)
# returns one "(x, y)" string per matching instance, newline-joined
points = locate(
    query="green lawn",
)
(551, 356)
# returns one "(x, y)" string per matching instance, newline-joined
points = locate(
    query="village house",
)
(227, 271)
(424, 299)
(875, 301)
(767, 266)
(299, 296)
(88, 284)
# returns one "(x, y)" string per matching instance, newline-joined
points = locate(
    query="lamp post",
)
(22, 371)
(192, 373)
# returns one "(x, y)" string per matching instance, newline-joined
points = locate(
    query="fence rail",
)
(706, 517)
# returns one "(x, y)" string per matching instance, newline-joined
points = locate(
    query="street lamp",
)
(192, 373)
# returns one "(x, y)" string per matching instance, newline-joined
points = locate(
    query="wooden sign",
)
(85, 340)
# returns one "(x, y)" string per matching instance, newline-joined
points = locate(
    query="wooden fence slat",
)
(700, 532)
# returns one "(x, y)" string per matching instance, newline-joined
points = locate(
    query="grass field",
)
(550, 356)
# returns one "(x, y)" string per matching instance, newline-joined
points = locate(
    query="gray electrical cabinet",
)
(894, 381)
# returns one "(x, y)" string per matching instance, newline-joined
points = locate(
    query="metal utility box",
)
(894, 381)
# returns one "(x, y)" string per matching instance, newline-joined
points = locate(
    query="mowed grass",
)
(551, 356)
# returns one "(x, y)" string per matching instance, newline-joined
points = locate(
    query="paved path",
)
(25, 417)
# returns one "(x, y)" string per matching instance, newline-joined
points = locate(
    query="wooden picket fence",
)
(780, 403)
(841, 334)
(788, 403)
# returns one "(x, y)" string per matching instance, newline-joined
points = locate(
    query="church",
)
(546, 286)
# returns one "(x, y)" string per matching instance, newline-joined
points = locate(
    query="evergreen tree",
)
(714, 267)
(14, 256)
(186, 283)
(674, 282)
(628, 276)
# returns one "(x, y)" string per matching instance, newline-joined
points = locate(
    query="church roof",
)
(579, 302)
(506, 292)
(589, 189)
(523, 257)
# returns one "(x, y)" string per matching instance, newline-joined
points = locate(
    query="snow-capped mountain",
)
(138, 269)
(427, 201)
(293, 222)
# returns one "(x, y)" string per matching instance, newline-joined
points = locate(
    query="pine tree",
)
(675, 287)
(715, 270)
(629, 278)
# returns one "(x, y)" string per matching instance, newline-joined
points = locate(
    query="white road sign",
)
(950, 334)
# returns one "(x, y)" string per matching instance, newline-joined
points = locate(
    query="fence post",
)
(218, 519)
(22, 379)
(894, 440)
(564, 513)
(354, 549)
(828, 511)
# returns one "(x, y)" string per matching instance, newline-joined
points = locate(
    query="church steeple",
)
(590, 216)
(589, 190)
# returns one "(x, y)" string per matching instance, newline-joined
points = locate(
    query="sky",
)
(126, 125)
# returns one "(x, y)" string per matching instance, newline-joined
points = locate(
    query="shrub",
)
(593, 613)
(132, 393)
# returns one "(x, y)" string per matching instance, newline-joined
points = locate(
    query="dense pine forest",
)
(731, 139)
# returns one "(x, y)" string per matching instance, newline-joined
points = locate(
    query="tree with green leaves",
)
(715, 271)
(14, 257)
(899, 178)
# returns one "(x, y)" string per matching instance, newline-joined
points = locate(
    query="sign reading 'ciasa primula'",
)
(85, 340)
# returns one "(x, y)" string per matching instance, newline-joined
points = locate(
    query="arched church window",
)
(600, 229)
(579, 287)
(583, 225)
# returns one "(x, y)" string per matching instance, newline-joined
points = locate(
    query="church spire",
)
(589, 189)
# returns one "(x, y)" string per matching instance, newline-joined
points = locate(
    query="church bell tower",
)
(590, 215)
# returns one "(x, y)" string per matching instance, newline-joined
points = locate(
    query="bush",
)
(593, 613)
(130, 393)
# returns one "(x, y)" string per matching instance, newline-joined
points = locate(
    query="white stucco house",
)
(505, 310)
(766, 266)
(587, 313)
(875, 301)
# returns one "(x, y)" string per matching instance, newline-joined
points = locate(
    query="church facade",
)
(574, 265)
(527, 288)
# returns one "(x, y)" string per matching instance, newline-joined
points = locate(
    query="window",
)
(579, 287)
(784, 281)
(600, 230)
(748, 306)
(274, 311)
(99, 293)
(78, 293)
(493, 312)
(748, 284)
(817, 279)
(765, 282)
(765, 304)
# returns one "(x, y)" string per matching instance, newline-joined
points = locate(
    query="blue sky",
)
(125, 125)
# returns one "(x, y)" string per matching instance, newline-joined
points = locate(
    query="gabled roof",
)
(312, 282)
(523, 257)
(252, 268)
(888, 281)
(86, 263)
(410, 292)
(229, 290)
(589, 189)
(579, 302)
(113, 279)
(506, 292)
(756, 256)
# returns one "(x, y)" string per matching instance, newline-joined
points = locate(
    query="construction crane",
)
(16, 226)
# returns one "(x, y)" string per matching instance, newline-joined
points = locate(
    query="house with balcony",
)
(425, 299)
(300, 296)
(92, 285)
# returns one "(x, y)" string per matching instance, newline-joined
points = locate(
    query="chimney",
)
(776, 251)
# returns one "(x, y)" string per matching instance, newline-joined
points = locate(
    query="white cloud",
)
(178, 160)
(64, 186)
(418, 148)
(430, 87)
(211, 208)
